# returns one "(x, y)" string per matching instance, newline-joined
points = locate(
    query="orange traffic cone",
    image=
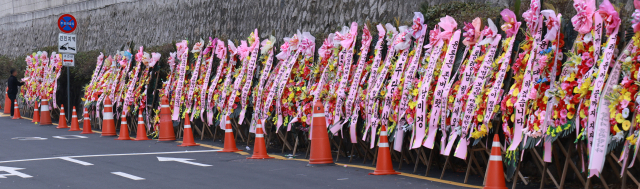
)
(166, 124)
(187, 138)
(495, 174)
(62, 124)
(259, 147)
(7, 103)
(384, 165)
(36, 113)
(74, 121)
(45, 114)
(86, 126)
(229, 141)
(16, 111)
(124, 128)
(108, 125)
(142, 131)
(320, 147)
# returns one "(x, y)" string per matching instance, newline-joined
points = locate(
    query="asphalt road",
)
(34, 156)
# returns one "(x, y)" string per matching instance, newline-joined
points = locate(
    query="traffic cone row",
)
(36, 113)
(229, 141)
(124, 129)
(384, 165)
(62, 124)
(495, 174)
(7, 103)
(320, 146)
(187, 139)
(16, 111)
(142, 132)
(259, 147)
(86, 126)
(108, 125)
(45, 115)
(74, 121)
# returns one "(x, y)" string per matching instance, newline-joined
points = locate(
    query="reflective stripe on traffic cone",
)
(36, 113)
(124, 128)
(16, 111)
(259, 147)
(45, 114)
(187, 139)
(229, 141)
(86, 123)
(142, 131)
(495, 174)
(62, 124)
(320, 146)
(165, 132)
(74, 121)
(108, 125)
(384, 165)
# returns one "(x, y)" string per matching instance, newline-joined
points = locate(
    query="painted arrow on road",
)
(12, 171)
(182, 160)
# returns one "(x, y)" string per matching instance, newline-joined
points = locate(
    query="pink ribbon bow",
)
(325, 50)
(611, 16)
(472, 32)
(448, 24)
(155, 57)
(308, 45)
(221, 51)
(140, 54)
(531, 16)
(418, 28)
(553, 24)
(243, 50)
(232, 48)
(583, 20)
(346, 39)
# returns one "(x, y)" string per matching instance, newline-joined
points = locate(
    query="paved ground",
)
(33, 156)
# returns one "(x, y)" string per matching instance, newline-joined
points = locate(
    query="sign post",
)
(67, 48)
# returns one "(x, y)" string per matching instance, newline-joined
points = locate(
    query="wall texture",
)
(108, 24)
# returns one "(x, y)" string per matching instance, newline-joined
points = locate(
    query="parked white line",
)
(76, 161)
(129, 176)
(105, 155)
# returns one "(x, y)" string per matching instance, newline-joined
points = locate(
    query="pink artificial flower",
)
(418, 29)
(635, 17)
(182, 47)
(243, 50)
(553, 24)
(624, 103)
(433, 34)
(155, 57)
(139, 55)
(531, 16)
(325, 50)
(232, 48)
(308, 45)
(626, 80)
(563, 113)
(172, 61)
(610, 16)
(583, 20)
(509, 27)
(221, 50)
(448, 24)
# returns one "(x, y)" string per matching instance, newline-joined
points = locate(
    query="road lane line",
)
(106, 155)
(126, 175)
(76, 161)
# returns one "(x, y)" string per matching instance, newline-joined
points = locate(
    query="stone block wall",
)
(108, 24)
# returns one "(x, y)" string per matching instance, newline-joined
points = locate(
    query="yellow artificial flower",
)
(626, 124)
(619, 118)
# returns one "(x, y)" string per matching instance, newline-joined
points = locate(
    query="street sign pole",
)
(67, 48)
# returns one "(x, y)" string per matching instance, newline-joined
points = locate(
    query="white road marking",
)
(13, 171)
(70, 137)
(182, 160)
(126, 175)
(76, 161)
(106, 155)
(29, 138)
